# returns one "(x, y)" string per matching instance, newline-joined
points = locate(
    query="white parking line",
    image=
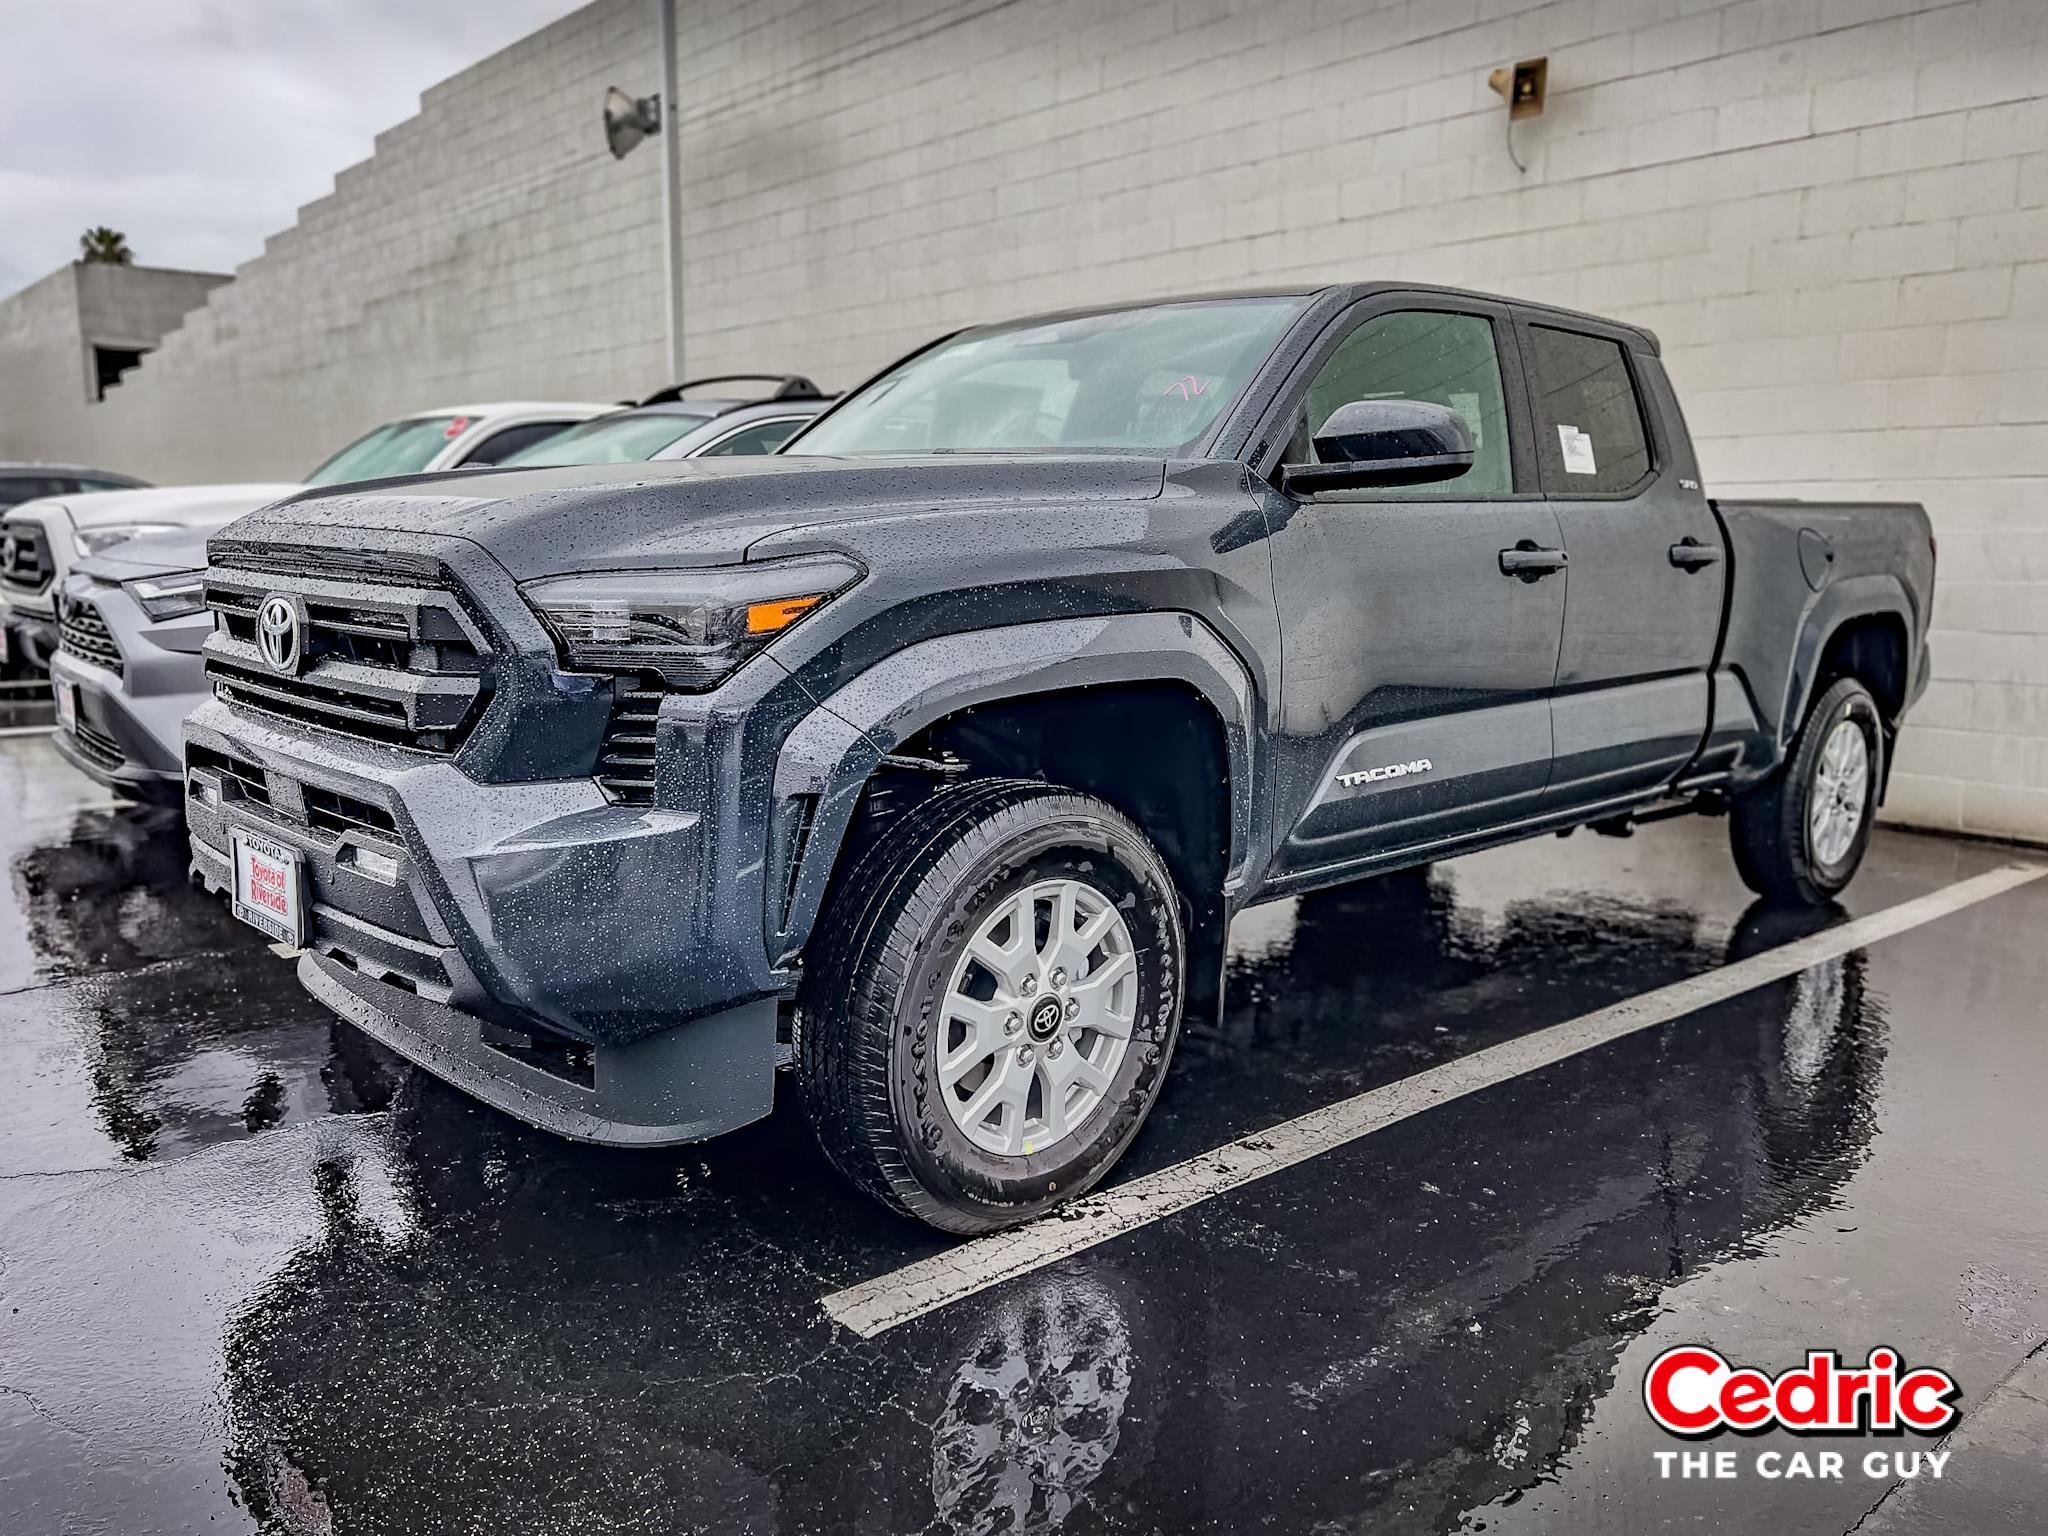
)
(27, 730)
(887, 1301)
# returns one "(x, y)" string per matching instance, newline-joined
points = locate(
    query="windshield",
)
(396, 448)
(611, 440)
(1150, 380)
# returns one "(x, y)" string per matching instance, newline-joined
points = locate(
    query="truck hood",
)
(545, 521)
(153, 554)
(187, 506)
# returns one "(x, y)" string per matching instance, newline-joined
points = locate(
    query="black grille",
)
(97, 746)
(392, 663)
(232, 770)
(83, 633)
(24, 558)
(327, 810)
(332, 811)
(382, 568)
(626, 765)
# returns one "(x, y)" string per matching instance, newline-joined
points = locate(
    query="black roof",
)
(1333, 295)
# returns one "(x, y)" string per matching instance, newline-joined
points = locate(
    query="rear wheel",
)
(993, 1003)
(1799, 837)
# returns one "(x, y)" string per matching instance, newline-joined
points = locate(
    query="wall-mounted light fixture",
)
(628, 120)
(1522, 87)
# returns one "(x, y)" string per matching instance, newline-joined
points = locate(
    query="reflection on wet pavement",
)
(141, 998)
(1035, 1408)
(257, 1303)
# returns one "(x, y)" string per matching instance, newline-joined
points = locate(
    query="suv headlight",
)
(175, 596)
(691, 626)
(93, 540)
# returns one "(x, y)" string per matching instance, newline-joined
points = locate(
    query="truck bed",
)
(1798, 570)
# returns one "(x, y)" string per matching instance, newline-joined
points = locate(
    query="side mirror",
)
(1384, 442)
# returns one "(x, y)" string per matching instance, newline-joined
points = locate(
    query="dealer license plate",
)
(268, 891)
(67, 706)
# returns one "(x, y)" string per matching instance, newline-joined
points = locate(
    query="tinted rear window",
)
(611, 440)
(761, 437)
(15, 489)
(500, 446)
(1589, 423)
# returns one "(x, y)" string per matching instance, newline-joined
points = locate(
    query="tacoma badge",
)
(1390, 771)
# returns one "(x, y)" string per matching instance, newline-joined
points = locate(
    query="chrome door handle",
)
(1530, 561)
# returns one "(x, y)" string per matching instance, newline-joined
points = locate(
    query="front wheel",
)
(995, 998)
(1799, 837)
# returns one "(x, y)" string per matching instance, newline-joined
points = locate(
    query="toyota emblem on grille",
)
(280, 634)
(10, 552)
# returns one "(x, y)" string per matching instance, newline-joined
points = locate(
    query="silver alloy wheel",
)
(1037, 1017)
(1841, 789)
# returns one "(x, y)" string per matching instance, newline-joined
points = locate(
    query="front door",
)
(1419, 625)
(1647, 568)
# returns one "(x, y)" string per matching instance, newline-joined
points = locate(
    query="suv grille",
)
(625, 766)
(390, 662)
(84, 634)
(98, 746)
(24, 558)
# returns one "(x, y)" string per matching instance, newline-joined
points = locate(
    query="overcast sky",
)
(198, 127)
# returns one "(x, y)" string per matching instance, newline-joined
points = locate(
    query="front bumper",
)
(690, 1083)
(532, 943)
(31, 636)
(129, 731)
(113, 741)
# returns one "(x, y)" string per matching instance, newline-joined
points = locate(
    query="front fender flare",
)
(825, 762)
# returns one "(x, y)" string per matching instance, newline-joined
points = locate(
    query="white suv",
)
(40, 540)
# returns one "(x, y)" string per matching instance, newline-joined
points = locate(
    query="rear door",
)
(1415, 695)
(1648, 570)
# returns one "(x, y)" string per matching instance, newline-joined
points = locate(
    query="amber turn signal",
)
(766, 618)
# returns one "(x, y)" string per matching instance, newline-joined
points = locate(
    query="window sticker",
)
(1578, 450)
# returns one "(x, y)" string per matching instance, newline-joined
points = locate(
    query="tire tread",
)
(1766, 830)
(889, 896)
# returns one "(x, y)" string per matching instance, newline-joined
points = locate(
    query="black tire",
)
(1769, 828)
(887, 944)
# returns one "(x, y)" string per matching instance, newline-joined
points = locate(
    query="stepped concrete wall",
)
(1834, 212)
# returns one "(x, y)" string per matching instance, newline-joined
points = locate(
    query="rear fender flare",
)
(1841, 602)
(825, 762)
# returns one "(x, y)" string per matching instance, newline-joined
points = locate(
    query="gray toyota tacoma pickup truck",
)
(932, 756)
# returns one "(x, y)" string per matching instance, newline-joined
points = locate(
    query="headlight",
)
(176, 596)
(694, 626)
(93, 540)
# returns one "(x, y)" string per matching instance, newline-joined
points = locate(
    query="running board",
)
(1625, 824)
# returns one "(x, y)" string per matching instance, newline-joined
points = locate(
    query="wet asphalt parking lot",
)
(255, 1273)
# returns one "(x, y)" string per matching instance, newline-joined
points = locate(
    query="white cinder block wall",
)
(42, 370)
(1834, 212)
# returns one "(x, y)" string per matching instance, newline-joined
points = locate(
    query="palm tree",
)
(109, 246)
